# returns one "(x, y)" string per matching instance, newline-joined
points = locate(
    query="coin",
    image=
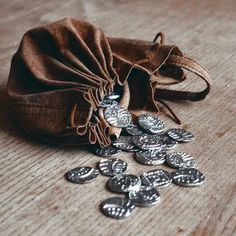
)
(124, 143)
(117, 207)
(111, 167)
(168, 143)
(124, 146)
(108, 103)
(146, 142)
(156, 178)
(151, 123)
(112, 96)
(82, 175)
(180, 135)
(150, 157)
(124, 183)
(117, 116)
(188, 177)
(107, 151)
(180, 160)
(144, 197)
(133, 130)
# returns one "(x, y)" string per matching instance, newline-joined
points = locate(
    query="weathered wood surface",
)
(35, 198)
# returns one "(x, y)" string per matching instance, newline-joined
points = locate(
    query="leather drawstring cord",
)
(175, 117)
(161, 36)
(189, 64)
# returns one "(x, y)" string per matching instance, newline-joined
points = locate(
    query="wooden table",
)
(36, 199)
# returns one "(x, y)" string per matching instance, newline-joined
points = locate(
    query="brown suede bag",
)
(62, 71)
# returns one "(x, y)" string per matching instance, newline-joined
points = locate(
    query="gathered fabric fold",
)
(62, 71)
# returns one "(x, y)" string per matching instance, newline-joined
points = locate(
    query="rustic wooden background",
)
(35, 198)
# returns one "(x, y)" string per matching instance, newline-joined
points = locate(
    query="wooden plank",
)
(35, 198)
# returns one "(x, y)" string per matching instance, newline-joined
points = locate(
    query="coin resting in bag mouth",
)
(70, 84)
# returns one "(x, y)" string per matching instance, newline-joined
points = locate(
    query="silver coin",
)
(146, 142)
(168, 143)
(150, 157)
(124, 183)
(151, 123)
(124, 143)
(133, 130)
(180, 135)
(112, 167)
(108, 103)
(82, 175)
(118, 208)
(180, 160)
(124, 146)
(107, 151)
(145, 197)
(188, 177)
(117, 116)
(156, 178)
(112, 96)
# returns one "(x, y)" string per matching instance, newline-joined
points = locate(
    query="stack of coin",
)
(151, 145)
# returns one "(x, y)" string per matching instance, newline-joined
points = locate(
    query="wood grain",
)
(35, 198)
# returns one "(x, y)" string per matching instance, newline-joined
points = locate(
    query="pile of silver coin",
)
(152, 145)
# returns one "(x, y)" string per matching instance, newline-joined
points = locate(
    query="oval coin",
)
(168, 143)
(112, 167)
(189, 177)
(151, 123)
(180, 135)
(145, 197)
(108, 103)
(146, 142)
(117, 207)
(82, 175)
(117, 116)
(156, 178)
(107, 151)
(133, 130)
(180, 160)
(124, 183)
(150, 157)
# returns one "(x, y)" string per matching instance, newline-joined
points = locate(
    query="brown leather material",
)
(62, 71)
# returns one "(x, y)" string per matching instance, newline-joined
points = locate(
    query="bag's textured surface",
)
(62, 71)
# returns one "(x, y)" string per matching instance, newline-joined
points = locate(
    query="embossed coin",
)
(168, 143)
(107, 103)
(107, 151)
(112, 96)
(111, 167)
(180, 135)
(124, 183)
(180, 160)
(124, 146)
(150, 157)
(117, 117)
(117, 207)
(156, 178)
(124, 143)
(82, 175)
(146, 142)
(188, 177)
(151, 123)
(133, 130)
(145, 197)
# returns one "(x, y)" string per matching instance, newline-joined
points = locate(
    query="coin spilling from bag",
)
(151, 145)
